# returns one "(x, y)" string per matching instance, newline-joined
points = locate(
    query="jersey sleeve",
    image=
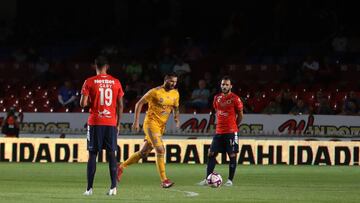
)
(238, 103)
(214, 103)
(177, 99)
(85, 90)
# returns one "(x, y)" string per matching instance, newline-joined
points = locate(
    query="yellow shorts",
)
(153, 133)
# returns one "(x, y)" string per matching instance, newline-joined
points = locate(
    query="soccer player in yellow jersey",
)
(161, 102)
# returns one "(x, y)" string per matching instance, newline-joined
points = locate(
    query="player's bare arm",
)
(177, 116)
(84, 100)
(138, 107)
(239, 116)
(119, 112)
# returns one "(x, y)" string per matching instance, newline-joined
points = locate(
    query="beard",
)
(168, 86)
(225, 91)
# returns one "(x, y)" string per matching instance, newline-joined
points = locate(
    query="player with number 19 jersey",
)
(103, 91)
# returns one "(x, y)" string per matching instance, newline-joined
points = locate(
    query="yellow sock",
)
(160, 165)
(132, 159)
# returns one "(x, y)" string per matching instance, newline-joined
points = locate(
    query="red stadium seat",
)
(301, 88)
(28, 106)
(190, 110)
(271, 87)
(204, 110)
(273, 94)
(27, 109)
(24, 92)
(308, 97)
(44, 108)
(317, 87)
(11, 101)
(62, 109)
(286, 87)
(328, 94)
(336, 106)
(340, 96)
(78, 110)
(41, 93)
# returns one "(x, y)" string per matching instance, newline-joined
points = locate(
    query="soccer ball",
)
(214, 180)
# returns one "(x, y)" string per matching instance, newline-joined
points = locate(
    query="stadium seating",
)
(265, 78)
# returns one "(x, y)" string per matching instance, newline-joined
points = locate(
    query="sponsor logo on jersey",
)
(104, 113)
(222, 113)
(104, 81)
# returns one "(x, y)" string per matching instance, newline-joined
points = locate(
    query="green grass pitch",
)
(65, 182)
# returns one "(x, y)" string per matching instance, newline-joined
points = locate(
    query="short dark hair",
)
(170, 75)
(226, 77)
(101, 61)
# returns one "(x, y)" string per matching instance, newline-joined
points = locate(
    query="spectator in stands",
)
(134, 68)
(350, 108)
(199, 97)
(299, 108)
(147, 85)
(167, 46)
(135, 85)
(110, 51)
(287, 102)
(257, 103)
(351, 104)
(10, 126)
(191, 52)
(324, 107)
(210, 83)
(273, 107)
(130, 96)
(185, 90)
(247, 108)
(181, 68)
(339, 43)
(166, 65)
(67, 95)
(354, 98)
(310, 68)
(20, 55)
(41, 69)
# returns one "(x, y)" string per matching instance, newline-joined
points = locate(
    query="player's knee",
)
(160, 150)
(144, 154)
(211, 154)
(232, 155)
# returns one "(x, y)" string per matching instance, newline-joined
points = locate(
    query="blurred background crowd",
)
(284, 57)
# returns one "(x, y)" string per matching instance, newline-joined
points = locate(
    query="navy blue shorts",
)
(101, 137)
(225, 143)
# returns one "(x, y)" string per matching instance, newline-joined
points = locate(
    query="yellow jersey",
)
(160, 104)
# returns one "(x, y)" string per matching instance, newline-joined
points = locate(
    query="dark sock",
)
(112, 168)
(91, 169)
(210, 165)
(232, 168)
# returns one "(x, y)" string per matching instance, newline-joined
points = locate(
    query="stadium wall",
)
(260, 152)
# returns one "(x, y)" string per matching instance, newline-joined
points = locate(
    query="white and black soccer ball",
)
(214, 180)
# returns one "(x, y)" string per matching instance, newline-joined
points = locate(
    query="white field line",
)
(187, 193)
